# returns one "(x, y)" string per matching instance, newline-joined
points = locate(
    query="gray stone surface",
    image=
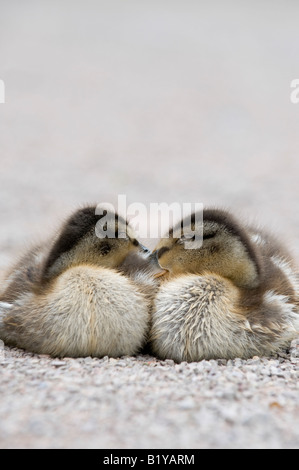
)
(161, 101)
(142, 402)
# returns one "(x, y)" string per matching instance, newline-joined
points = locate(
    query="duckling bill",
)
(235, 296)
(73, 295)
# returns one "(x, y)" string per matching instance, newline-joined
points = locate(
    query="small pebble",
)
(58, 363)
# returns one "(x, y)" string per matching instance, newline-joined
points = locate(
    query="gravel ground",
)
(188, 102)
(141, 402)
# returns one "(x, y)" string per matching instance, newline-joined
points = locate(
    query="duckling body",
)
(235, 296)
(69, 297)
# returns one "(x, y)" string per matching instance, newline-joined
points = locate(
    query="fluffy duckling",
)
(70, 296)
(236, 295)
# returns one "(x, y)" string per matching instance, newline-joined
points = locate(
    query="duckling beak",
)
(161, 274)
(160, 271)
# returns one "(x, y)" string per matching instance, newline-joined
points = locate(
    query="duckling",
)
(71, 297)
(236, 295)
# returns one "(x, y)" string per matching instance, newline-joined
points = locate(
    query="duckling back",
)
(86, 311)
(68, 297)
(202, 317)
(235, 296)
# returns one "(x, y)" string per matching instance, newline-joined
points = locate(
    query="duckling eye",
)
(105, 248)
(208, 235)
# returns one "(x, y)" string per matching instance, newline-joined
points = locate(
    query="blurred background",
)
(163, 101)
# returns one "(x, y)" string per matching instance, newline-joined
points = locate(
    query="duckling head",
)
(87, 238)
(224, 249)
